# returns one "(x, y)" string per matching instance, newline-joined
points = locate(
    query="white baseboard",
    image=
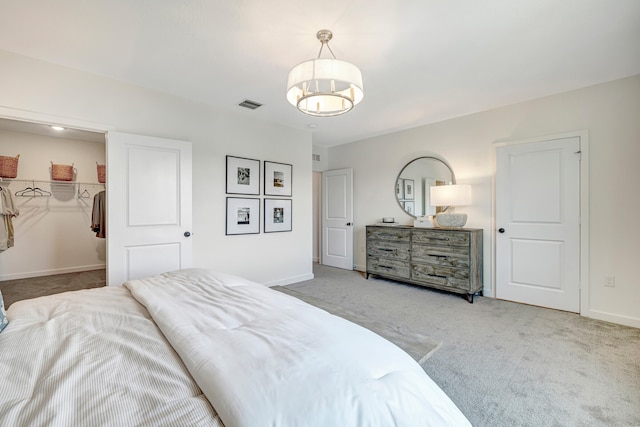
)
(614, 318)
(290, 280)
(30, 274)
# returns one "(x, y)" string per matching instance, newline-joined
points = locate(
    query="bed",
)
(201, 348)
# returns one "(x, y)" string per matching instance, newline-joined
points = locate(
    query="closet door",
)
(148, 206)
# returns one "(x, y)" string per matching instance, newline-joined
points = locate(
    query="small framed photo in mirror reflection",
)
(409, 189)
(400, 188)
(409, 207)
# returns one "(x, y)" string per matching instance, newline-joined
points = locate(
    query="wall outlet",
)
(610, 281)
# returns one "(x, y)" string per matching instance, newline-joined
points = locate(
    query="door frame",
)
(584, 207)
(68, 122)
(51, 119)
(317, 216)
(324, 245)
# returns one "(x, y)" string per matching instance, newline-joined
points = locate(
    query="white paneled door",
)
(337, 218)
(148, 206)
(538, 223)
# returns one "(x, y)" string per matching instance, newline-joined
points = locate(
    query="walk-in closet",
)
(52, 232)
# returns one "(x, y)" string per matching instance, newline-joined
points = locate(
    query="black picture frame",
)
(243, 176)
(243, 216)
(278, 179)
(278, 214)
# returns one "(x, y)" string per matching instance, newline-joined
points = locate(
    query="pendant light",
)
(325, 87)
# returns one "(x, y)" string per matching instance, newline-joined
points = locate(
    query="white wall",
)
(321, 164)
(36, 88)
(52, 234)
(611, 114)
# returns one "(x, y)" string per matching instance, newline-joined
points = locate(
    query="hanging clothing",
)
(99, 215)
(8, 210)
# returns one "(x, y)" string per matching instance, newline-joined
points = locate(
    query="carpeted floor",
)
(418, 346)
(19, 289)
(502, 363)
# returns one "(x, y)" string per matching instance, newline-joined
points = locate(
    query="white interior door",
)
(148, 206)
(337, 218)
(538, 223)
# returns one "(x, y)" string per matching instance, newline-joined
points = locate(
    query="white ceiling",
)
(47, 130)
(422, 61)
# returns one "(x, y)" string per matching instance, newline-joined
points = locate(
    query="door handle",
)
(500, 230)
(187, 233)
(349, 224)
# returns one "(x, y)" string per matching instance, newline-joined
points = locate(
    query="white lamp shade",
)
(325, 87)
(450, 195)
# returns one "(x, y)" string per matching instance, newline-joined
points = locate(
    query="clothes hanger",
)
(36, 192)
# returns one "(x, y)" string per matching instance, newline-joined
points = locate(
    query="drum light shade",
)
(325, 86)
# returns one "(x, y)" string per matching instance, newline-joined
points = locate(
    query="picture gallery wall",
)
(244, 213)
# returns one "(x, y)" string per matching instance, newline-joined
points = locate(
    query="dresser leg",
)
(470, 298)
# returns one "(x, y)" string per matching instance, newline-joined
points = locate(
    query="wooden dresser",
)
(443, 258)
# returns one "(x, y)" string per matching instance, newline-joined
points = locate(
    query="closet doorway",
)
(52, 232)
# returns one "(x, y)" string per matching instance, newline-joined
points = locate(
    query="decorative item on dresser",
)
(441, 258)
(450, 196)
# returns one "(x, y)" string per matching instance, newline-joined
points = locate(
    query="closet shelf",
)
(42, 181)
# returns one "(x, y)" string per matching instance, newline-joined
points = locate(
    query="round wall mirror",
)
(414, 180)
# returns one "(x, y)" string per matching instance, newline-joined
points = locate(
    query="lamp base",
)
(451, 219)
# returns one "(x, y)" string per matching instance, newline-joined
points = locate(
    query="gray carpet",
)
(502, 363)
(19, 289)
(417, 345)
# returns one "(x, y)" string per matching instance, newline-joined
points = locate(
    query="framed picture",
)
(410, 207)
(400, 188)
(277, 215)
(277, 179)
(243, 216)
(409, 189)
(243, 176)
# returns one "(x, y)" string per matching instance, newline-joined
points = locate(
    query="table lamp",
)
(450, 196)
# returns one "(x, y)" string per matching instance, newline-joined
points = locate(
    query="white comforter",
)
(264, 358)
(93, 358)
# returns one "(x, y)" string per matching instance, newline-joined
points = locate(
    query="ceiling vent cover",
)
(252, 105)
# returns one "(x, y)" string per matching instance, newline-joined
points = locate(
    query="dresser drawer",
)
(436, 237)
(389, 233)
(443, 276)
(388, 249)
(448, 259)
(447, 256)
(387, 266)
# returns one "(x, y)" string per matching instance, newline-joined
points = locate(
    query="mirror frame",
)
(453, 177)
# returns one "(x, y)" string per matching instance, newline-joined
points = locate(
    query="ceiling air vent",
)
(315, 157)
(252, 105)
